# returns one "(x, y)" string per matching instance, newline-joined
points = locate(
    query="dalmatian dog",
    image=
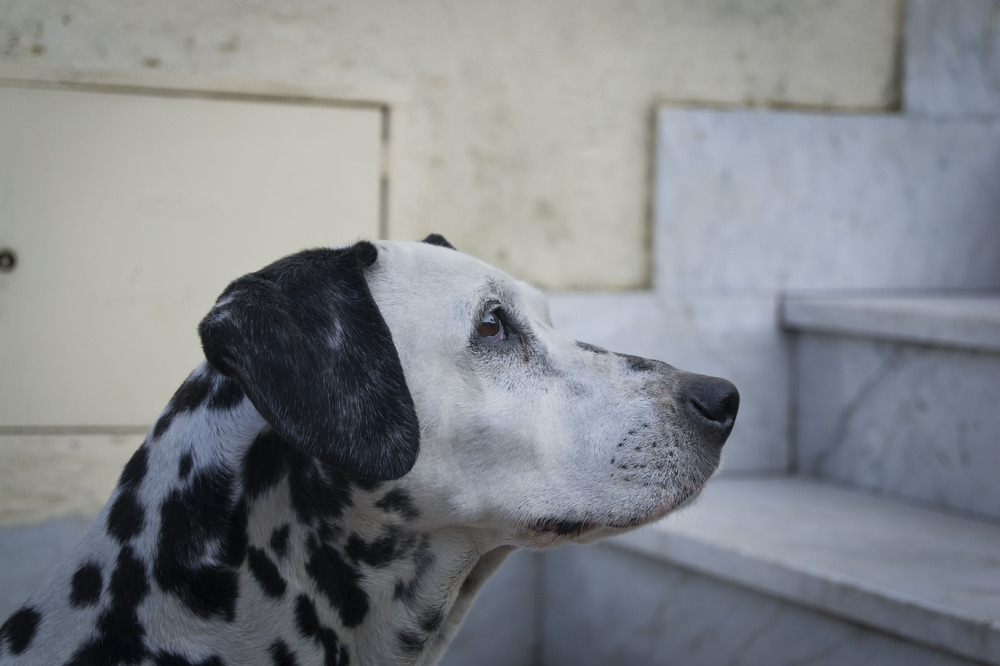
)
(376, 427)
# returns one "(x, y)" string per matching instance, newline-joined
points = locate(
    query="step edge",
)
(898, 317)
(907, 617)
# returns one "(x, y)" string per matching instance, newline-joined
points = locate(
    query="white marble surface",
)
(606, 607)
(907, 420)
(962, 321)
(735, 338)
(758, 201)
(929, 577)
(952, 62)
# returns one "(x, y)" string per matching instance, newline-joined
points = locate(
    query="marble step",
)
(751, 202)
(898, 394)
(952, 63)
(927, 577)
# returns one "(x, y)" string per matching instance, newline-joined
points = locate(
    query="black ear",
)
(438, 239)
(306, 341)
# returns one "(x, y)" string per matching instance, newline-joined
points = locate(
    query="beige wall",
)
(524, 128)
(521, 130)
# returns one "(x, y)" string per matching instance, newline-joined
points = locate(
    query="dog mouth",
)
(560, 528)
(563, 528)
(575, 529)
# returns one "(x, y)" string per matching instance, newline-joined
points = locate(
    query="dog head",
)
(416, 362)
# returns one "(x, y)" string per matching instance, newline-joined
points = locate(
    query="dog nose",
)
(714, 400)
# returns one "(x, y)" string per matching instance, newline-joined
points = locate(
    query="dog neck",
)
(352, 555)
(289, 553)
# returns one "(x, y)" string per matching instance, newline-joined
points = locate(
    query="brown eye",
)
(490, 328)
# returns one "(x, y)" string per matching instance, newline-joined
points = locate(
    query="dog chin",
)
(552, 532)
(547, 534)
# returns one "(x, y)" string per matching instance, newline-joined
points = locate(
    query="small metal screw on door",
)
(8, 260)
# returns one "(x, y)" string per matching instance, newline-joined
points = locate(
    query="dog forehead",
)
(445, 278)
(426, 264)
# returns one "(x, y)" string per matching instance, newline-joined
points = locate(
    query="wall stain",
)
(13, 41)
(231, 45)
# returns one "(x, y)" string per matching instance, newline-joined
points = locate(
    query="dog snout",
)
(712, 403)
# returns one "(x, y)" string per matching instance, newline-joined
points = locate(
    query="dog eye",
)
(491, 328)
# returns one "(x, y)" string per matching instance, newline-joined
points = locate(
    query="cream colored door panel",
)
(129, 214)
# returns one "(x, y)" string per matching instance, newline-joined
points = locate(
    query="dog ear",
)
(306, 341)
(438, 239)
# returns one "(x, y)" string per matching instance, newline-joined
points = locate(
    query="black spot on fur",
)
(423, 559)
(184, 465)
(591, 348)
(399, 500)
(266, 573)
(234, 547)
(279, 540)
(264, 464)
(281, 655)
(128, 586)
(637, 363)
(325, 534)
(86, 585)
(305, 617)
(228, 394)
(163, 423)
(135, 469)
(120, 636)
(439, 240)
(19, 630)
(193, 521)
(309, 627)
(340, 583)
(318, 490)
(126, 517)
(192, 394)
(378, 553)
(208, 590)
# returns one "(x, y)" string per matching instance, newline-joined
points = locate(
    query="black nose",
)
(714, 400)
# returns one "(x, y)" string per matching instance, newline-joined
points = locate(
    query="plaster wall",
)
(524, 130)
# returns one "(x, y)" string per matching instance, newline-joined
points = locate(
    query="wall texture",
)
(524, 129)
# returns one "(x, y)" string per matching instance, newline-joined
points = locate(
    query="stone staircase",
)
(879, 545)
(844, 272)
(890, 524)
(900, 395)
